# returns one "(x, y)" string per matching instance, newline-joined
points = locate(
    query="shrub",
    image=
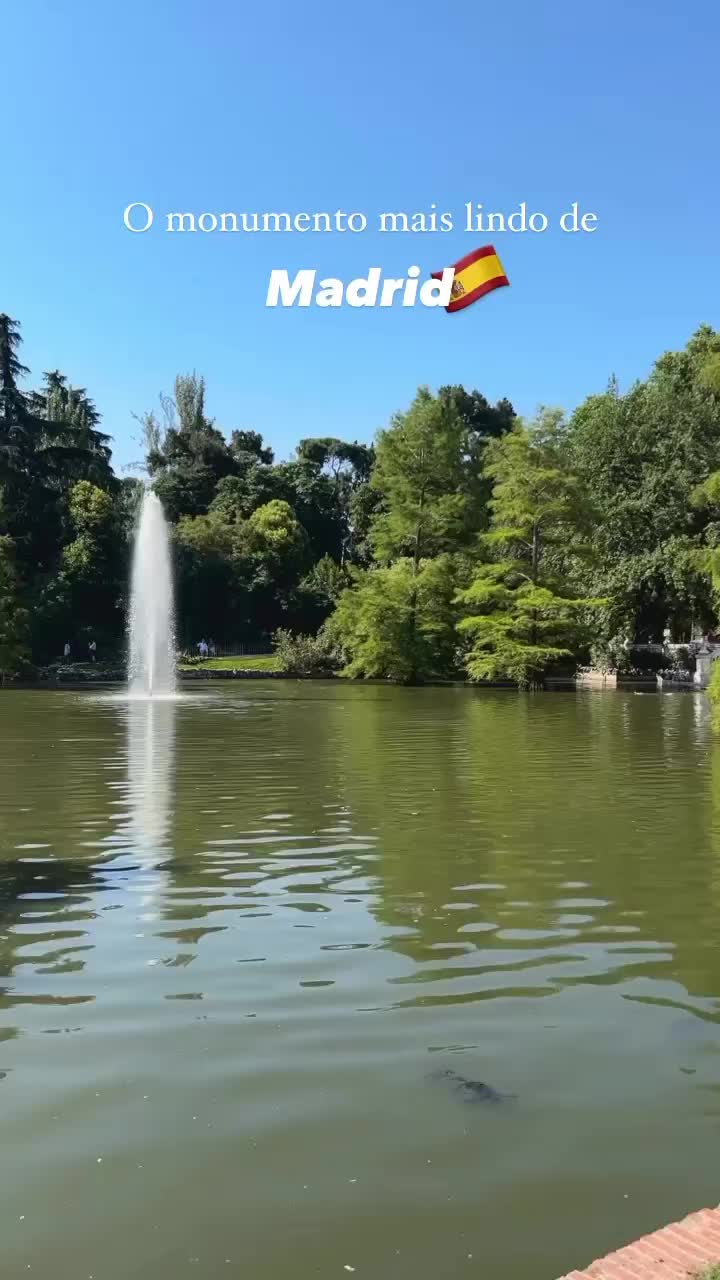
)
(610, 653)
(305, 655)
(188, 659)
(714, 691)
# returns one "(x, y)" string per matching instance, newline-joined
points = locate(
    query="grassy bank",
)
(266, 662)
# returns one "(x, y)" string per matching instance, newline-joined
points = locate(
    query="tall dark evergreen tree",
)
(13, 403)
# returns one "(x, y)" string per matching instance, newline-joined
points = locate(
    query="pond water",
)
(243, 935)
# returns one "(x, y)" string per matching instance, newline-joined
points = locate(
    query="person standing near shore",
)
(66, 651)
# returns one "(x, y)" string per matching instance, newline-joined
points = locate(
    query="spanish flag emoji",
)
(476, 274)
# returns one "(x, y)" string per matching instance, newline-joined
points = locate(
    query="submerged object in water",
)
(473, 1090)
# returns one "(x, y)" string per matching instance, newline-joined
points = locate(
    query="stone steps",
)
(676, 1252)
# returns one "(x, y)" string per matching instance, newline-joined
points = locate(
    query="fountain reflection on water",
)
(151, 667)
(150, 775)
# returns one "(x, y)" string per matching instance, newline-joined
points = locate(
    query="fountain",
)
(151, 668)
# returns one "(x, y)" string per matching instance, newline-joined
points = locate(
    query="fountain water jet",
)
(151, 668)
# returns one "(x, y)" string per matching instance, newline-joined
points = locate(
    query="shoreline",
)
(68, 678)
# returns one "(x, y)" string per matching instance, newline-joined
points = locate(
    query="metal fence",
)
(233, 648)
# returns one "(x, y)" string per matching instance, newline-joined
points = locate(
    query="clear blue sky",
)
(370, 107)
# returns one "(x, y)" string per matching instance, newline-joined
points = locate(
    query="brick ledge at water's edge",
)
(675, 1252)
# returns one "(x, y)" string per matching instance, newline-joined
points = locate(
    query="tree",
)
(13, 617)
(705, 557)
(209, 535)
(482, 420)
(46, 437)
(398, 622)
(420, 511)
(710, 372)
(641, 456)
(340, 457)
(91, 510)
(190, 455)
(457, 509)
(94, 564)
(313, 496)
(419, 473)
(71, 443)
(318, 592)
(521, 617)
(247, 449)
(212, 594)
(238, 573)
(276, 539)
(49, 441)
(17, 431)
(326, 581)
(350, 467)
(13, 403)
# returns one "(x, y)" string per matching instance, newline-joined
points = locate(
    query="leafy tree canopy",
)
(462, 540)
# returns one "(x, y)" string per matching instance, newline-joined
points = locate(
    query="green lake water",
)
(242, 935)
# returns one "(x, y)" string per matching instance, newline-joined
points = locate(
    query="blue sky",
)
(372, 107)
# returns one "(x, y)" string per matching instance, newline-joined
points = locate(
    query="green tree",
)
(318, 592)
(419, 473)
(70, 439)
(94, 565)
(18, 434)
(49, 441)
(521, 618)
(277, 540)
(482, 422)
(13, 402)
(211, 591)
(248, 449)
(91, 510)
(241, 577)
(13, 617)
(424, 504)
(398, 622)
(189, 455)
(326, 581)
(641, 456)
(349, 466)
(314, 497)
